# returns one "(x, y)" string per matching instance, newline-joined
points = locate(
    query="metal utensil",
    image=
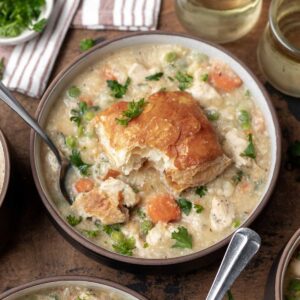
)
(243, 246)
(64, 163)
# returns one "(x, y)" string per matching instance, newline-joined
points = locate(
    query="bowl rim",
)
(74, 235)
(285, 259)
(74, 278)
(7, 168)
(29, 34)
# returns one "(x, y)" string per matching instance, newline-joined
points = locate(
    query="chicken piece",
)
(221, 214)
(106, 203)
(172, 134)
(236, 145)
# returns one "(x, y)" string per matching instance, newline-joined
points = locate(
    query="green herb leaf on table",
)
(185, 80)
(2, 68)
(250, 150)
(183, 238)
(118, 90)
(199, 208)
(76, 161)
(229, 295)
(244, 119)
(40, 25)
(155, 77)
(73, 220)
(134, 109)
(201, 190)
(86, 44)
(185, 205)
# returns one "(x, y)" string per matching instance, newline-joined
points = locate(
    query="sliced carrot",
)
(224, 80)
(163, 208)
(111, 173)
(84, 185)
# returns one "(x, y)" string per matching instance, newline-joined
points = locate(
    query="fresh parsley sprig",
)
(118, 90)
(250, 150)
(76, 161)
(183, 238)
(155, 77)
(201, 190)
(185, 205)
(185, 80)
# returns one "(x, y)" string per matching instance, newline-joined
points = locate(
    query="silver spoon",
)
(243, 246)
(64, 163)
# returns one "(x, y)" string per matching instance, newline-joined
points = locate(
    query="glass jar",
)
(219, 21)
(279, 48)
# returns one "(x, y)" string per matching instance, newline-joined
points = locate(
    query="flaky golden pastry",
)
(172, 133)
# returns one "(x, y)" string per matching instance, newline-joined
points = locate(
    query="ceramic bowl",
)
(62, 281)
(28, 34)
(63, 80)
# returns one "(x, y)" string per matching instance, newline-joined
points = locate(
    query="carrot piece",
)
(111, 173)
(163, 208)
(224, 80)
(84, 185)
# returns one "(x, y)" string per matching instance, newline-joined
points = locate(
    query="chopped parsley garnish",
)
(199, 208)
(134, 109)
(213, 115)
(2, 68)
(170, 57)
(19, 15)
(74, 91)
(83, 113)
(201, 190)
(185, 205)
(73, 220)
(185, 80)
(294, 285)
(155, 77)
(141, 213)
(146, 225)
(91, 233)
(236, 223)
(244, 119)
(237, 178)
(71, 141)
(229, 295)
(294, 153)
(171, 78)
(250, 150)
(108, 229)
(183, 238)
(40, 25)
(204, 77)
(76, 161)
(146, 245)
(124, 245)
(118, 90)
(86, 44)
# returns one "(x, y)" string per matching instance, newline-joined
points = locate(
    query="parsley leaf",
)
(250, 150)
(146, 225)
(237, 178)
(182, 237)
(201, 190)
(134, 109)
(294, 153)
(74, 91)
(118, 90)
(199, 208)
(76, 161)
(185, 80)
(155, 77)
(204, 77)
(108, 229)
(141, 213)
(91, 233)
(229, 295)
(123, 245)
(185, 205)
(212, 115)
(236, 223)
(40, 25)
(73, 220)
(86, 44)
(244, 119)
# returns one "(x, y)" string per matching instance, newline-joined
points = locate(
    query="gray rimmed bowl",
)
(275, 284)
(5, 207)
(64, 78)
(81, 281)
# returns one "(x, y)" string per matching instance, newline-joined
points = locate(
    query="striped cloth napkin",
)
(28, 66)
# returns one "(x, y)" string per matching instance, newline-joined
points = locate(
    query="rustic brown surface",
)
(38, 250)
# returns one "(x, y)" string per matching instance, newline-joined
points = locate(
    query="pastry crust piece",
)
(172, 133)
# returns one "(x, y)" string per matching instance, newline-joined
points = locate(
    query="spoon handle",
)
(10, 100)
(243, 246)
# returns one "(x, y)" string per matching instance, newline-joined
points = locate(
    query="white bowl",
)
(28, 34)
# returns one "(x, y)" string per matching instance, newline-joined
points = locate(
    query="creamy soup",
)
(292, 278)
(157, 220)
(74, 293)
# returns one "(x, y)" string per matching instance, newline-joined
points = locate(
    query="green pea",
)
(88, 116)
(117, 236)
(71, 141)
(170, 57)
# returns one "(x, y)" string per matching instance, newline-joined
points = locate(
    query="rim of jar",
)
(277, 31)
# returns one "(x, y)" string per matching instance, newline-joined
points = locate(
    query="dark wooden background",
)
(37, 250)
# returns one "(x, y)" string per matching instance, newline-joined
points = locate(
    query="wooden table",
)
(38, 250)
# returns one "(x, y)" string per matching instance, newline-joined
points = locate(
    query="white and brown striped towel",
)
(28, 66)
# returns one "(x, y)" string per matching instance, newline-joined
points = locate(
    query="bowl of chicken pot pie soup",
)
(71, 288)
(173, 144)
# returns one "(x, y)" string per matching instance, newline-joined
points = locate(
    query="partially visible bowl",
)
(64, 281)
(278, 272)
(28, 34)
(5, 207)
